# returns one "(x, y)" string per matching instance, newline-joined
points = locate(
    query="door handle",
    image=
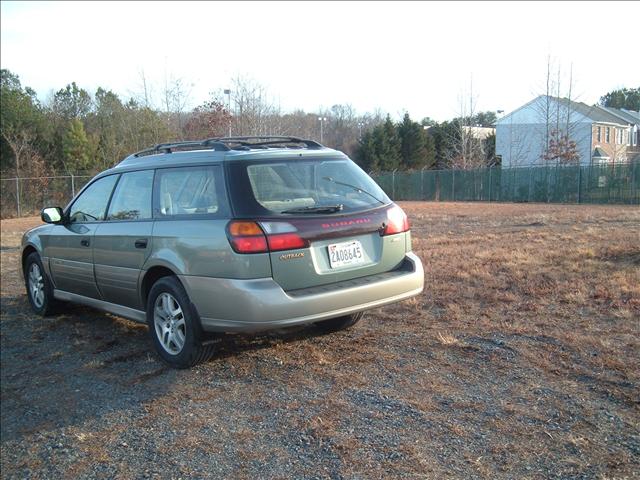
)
(85, 242)
(141, 243)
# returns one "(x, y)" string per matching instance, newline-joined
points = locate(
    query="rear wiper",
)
(357, 189)
(318, 209)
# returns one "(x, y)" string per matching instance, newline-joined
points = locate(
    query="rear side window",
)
(132, 198)
(277, 187)
(189, 191)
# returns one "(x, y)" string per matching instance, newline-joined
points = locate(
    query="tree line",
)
(75, 131)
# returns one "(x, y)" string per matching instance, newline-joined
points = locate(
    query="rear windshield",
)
(278, 187)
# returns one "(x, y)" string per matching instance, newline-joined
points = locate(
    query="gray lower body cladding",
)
(227, 305)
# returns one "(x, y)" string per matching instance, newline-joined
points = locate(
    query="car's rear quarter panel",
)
(200, 247)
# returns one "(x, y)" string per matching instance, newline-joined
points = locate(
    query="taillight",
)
(397, 221)
(286, 241)
(246, 237)
(251, 237)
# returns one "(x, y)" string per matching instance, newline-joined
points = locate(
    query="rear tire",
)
(38, 285)
(174, 326)
(340, 323)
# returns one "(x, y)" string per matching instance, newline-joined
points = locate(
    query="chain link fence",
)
(616, 184)
(21, 197)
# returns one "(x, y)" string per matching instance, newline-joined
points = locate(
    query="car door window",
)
(132, 198)
(91, 205)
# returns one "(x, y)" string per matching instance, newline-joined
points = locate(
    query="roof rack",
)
(266, 140)
(224, 144)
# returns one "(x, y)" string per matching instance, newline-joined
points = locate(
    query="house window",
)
(607, 134)
(598, 134)
(620, 133)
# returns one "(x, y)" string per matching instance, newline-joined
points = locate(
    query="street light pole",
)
(360, 125)
(322, 120)
(227, 92)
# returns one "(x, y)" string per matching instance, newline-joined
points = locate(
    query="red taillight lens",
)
(249, 244)
(397, 221)
(246, 237)
(250, 237)
(286, 241)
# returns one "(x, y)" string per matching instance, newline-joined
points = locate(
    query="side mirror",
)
(51, 215)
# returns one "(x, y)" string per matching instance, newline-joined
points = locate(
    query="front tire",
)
(173, 325)
(38, 285)
(340, 323)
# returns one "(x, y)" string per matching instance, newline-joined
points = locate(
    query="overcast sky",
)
(412, 56)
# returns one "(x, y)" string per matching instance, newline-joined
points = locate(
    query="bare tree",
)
(253, 111)
(21, 144)
(466, 147)
(560, 129)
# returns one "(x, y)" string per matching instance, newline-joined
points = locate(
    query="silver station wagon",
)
(237, 234)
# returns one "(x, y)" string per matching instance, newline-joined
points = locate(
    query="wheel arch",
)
(26, 251)
(151, 276)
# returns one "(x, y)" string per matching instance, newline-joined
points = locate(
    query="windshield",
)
(304, 187)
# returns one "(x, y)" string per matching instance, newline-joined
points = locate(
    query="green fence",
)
(618, 183)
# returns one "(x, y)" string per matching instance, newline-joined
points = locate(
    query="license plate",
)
(346, 253)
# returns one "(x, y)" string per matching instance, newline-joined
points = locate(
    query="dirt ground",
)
(521, 359)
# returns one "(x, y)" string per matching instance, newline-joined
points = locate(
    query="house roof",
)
(594, 113)
(628, 116)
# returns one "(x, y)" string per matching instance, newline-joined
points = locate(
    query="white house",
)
(582, 133)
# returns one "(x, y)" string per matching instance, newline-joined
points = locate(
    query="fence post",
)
(490, 168)
(453, 184)
(73, 186)
(633, 165)
(18, 196)
(529, 191)
(393, 185)
(579, 182)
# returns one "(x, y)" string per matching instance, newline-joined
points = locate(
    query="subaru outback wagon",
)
(236, 234)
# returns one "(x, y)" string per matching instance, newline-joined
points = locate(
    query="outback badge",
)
(290, 256)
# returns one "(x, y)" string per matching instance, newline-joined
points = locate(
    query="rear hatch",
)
(325, 219)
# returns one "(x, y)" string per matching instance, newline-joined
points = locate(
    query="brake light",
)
(251, 237)
(286, 241)
(397, 221)
(246, 237)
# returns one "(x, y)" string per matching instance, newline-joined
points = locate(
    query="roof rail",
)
(266, 140)
(169, 147)
(224, 144)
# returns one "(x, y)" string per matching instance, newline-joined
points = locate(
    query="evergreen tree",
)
(628, 98)
(22, 123)
(387, 145)
(71, 102)
(416, 148)
(76, 148)
(366, 155)
(489, 147)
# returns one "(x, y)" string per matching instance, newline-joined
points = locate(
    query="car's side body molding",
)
(121, 311)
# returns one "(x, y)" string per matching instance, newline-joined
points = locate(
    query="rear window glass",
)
(188, 191)
(276, 187)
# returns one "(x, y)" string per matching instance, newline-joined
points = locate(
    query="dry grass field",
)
(521, 359)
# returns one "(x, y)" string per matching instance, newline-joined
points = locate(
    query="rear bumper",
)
(227, 305)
